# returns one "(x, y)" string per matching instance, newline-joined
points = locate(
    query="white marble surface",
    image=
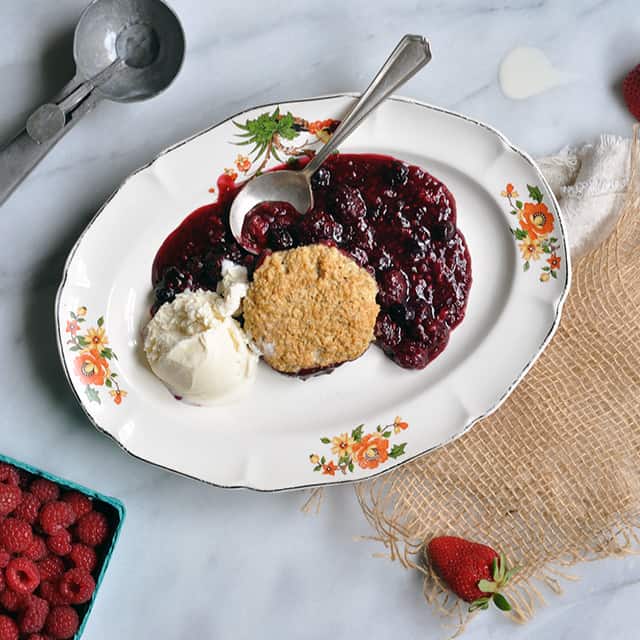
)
(199, 562)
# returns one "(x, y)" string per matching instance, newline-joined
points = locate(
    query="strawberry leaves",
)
(501, 574)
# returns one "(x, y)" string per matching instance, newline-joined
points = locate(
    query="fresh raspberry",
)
(50, 568)
(77, 586)
(22, 576)
(60, 543)
(83, 557)
(50, 592)
(28, 509)
(92, 528)
(9, 474)
(44, 489)
(62, 622)
(56, 516)
(8, 629)
(10, 497)
(5, 556)
(3, 582)
(37, 549)
(80, 503)
(38, 636)
(15, 535)
(34, 615)
(11, 600)
(631, 92)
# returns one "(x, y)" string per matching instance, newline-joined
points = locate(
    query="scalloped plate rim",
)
(558, 304)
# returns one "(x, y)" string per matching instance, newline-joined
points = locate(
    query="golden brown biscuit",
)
(310, 308)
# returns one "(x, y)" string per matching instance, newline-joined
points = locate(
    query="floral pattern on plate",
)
(534, 232)
(92, 363)
(368, 451)
(269, 134)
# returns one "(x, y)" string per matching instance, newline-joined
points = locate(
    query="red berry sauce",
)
(395, 220)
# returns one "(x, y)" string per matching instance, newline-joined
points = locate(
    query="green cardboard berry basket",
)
(112, 508)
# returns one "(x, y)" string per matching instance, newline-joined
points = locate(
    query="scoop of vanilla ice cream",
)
(197, 349)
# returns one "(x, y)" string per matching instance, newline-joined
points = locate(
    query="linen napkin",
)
(590, 182)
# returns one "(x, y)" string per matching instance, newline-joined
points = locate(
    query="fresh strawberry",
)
(473, 571)
(631, 92)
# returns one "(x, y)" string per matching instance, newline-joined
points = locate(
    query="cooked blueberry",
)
(164, 295)
(279, 237)
(417, 249)
(348, 204)
(443, 231)
(321, 178)
(401, 313)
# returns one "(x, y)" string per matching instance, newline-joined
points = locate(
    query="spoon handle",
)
(411, 54)
(20, 156)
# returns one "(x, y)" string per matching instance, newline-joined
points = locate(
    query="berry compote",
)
(394, 219)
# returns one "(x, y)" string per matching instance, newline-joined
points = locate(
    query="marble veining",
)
(196, 561)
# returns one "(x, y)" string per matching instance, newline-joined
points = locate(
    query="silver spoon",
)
(125, 50)
(411, 54)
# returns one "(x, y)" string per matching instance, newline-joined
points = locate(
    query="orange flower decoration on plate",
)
(536, 219)
(534, 231)
(91, 368)
(365, 450)
(371, 451)
(92, 362)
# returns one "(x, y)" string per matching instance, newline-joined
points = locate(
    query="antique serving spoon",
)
(125, 50)
(294, 187)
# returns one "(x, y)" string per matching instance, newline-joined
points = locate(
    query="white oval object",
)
(369, 415)
(526, 72)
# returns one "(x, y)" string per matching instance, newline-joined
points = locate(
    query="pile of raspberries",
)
(48, 540)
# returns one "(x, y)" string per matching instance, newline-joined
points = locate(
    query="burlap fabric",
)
(553, 477)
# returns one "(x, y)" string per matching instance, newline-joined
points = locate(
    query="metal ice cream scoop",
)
(125, 50)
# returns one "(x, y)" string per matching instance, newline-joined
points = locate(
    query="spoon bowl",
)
(275, 186)
(146, 34)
